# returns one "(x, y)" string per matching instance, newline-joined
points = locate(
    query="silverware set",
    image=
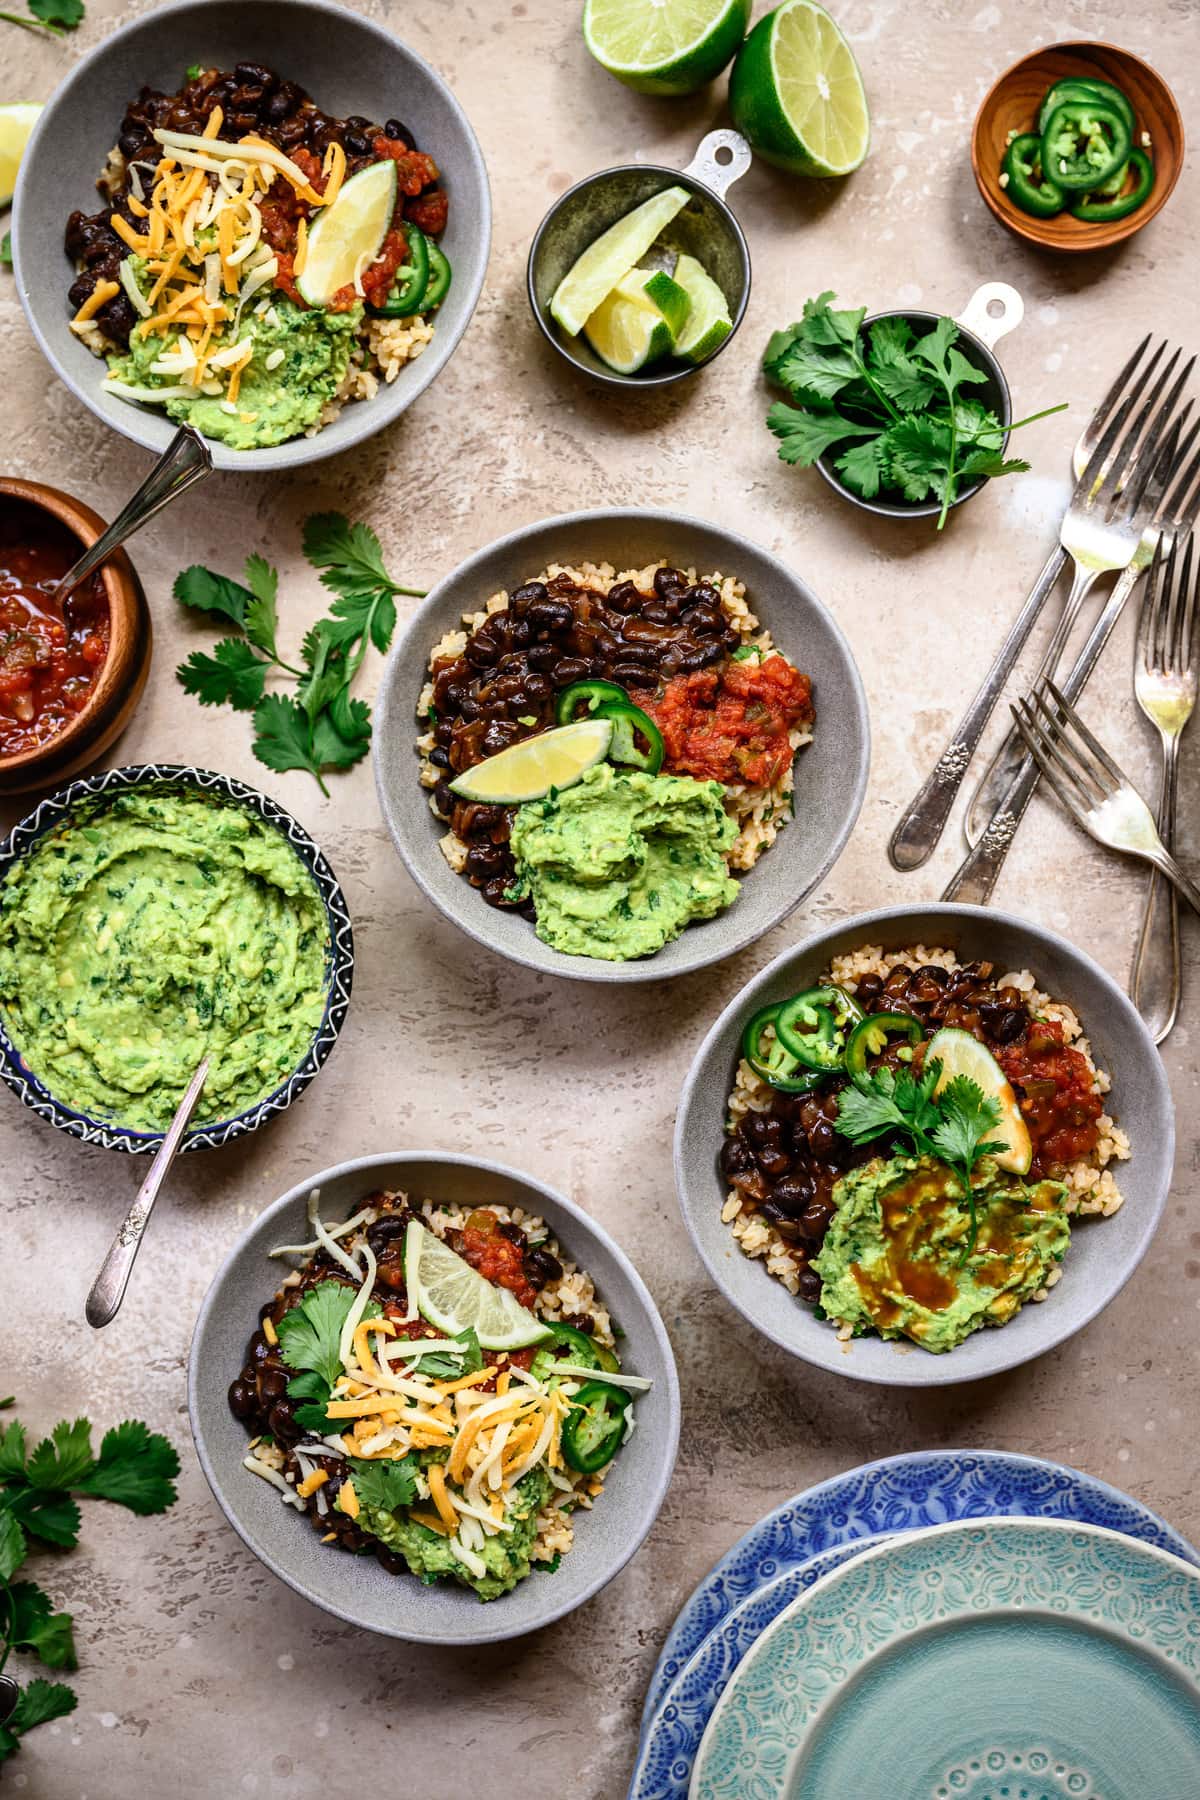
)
(1136, 497)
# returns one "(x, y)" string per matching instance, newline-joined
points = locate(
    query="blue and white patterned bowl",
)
(898, 1494)
(1030, 1658)
(339, 976)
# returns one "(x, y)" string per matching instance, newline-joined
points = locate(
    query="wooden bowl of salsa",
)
(71, 672)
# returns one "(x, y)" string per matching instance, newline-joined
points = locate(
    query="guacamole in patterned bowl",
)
(154, 916)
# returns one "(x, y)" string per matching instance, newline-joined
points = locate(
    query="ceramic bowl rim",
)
(373, 415)
(579, 1221)
(827, 1349)
(59, 805)
(415, 642)
(612, 377)
(925, 509)
(1125, 228)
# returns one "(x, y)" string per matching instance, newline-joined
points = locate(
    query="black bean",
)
(668, 580)
(569, 669)
(809, 1284)
(439, 759)
(386, 1230)
(243, 1402)
(1003, 1024)
(623, 597)
(631, 674)
(484, 861)
(737, 1158)
(542, 657)
(536, 687)
(397, 129)
(255, 73)
(646, 654)
(703, 621)
(520, 598)
(793, 1193)
(541, 1266)
(550, 615)
(784, 1225)
(821, 1138)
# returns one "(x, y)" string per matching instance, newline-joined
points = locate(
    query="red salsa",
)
(51, 653)
(732, 723)
(1058, 1099)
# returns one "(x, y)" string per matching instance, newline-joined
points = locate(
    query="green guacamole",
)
(431, 1556)
(272, 404)
(159, 929)
(891, 1259)
(618, 864)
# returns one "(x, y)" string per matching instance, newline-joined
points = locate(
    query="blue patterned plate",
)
(1031, 1658)
(899, 1493)
(671, 1739)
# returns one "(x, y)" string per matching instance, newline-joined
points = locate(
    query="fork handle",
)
(1155, 983)
(979, 870)
(1183, 883)
(922, 823)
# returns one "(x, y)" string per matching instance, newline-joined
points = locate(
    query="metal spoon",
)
(108, 1289)
(10, 1693)
(186, 460)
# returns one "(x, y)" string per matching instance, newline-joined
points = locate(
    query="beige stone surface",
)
(199, 1666)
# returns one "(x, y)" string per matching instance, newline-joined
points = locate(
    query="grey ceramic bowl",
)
(349, 64)
(73, 802)
(1104, 1252)
(357, 1588)
(705, 229)
(831, 773)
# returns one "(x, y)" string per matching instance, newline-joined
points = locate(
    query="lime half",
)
(961, 1054)
(17, 120)
(450, 1294)
(796, 93)
(347, 237)
(708, 321)
(526, 771)
(611, 256)
(664, 46)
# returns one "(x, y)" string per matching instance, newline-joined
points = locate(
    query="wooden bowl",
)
(1012, 105)
(123, 673)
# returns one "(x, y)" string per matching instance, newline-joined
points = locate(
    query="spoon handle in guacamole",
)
(108, 1289)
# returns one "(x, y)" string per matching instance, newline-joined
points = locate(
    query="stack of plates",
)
(950, 1625)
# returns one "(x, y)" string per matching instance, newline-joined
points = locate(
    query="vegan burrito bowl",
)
(609, 749)
(437, 1385)
(910, 1142)
(257, 263)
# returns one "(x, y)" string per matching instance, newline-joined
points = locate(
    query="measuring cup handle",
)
(720, 174)
(989, 328)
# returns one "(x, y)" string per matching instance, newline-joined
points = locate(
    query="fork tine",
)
(1147, 624)
(1171, 610)
(1114, 427)
(1089, 739)
(1189, 582)
(1182, 503)
(1145, 436)
(1065, 754)
(1165, 465)
(1101, 415)
(1041, 749)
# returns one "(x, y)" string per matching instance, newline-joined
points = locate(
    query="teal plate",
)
(1013, 1659)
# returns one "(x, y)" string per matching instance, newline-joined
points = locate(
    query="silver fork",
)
(1164, 683)
(1100, 537)
(921, 825)
(1174, 489)
(1095, 791)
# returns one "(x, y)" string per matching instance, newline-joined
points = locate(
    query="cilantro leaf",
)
(232, 676)
(261, 619)
(892, 367)
(205, 591)
(821, 325)
(57, 12)
(309, 1332)
(134, 1469)
(33, 1626)
(992, 463)
(342, 733)
(967, 1115)
(880, 1101)
(13, 1547)
(60, 1460)
(315, 1391)
(806, 435)
(808, 371)
(6, 255)
(283, 737)
(386, 1485)
(862, 467)
(918, 449)
(12, 1451)
(51, 1516)
(350, 555)
(40, 1702)
(440, 1367)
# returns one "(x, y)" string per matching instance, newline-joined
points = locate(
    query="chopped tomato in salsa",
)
(732, 724)
(51, 652)
(1057, 1097)
(498, 1261)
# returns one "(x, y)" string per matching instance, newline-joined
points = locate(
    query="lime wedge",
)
(526, 771)
(664, 46)
(796, 93)
(638, 322)
(961, 1054)
(708, 321)
(447, 1291)
(17, 120)
(612, 255)
(346, 237)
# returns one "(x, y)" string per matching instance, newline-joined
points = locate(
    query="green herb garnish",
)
(52, 16)
(386, 1485)
(951, 1126)
(898, 395)
(38, 1491)
(6, 255)
(440, 1367)
(319, 726)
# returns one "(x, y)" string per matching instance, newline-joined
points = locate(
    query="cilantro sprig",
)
(899, 398)
(309, 1335)
(52, 16)
(39, 1489)
(319, 725)
(951, 1126)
